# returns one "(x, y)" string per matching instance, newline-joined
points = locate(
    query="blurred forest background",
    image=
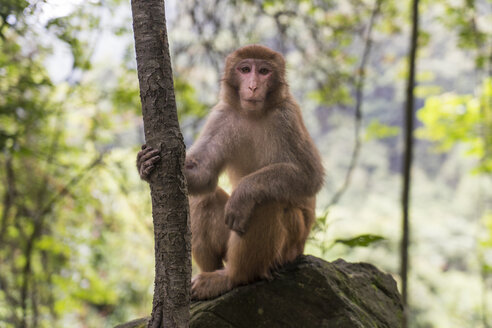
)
(76, 242)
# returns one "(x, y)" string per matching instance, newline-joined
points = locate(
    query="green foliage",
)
(126, 95)
(377, 130)
(64, 29)
(60, 213)
(360, 241)
(12, 7)
(450, 119)
(329, 95)
(470, 27)
(23, 87)
(485, 245)
(186, 100)
(319, 240)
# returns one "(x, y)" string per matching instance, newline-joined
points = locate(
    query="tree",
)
(170, 208)
(407, 160)
(49, 179)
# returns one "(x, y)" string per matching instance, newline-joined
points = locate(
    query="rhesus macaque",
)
(256, 135)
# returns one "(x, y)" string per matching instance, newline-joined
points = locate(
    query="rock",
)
(309, 292)
(137, 323)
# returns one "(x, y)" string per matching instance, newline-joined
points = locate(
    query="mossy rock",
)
(309, 292)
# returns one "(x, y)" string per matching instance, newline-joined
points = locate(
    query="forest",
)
(76, 229)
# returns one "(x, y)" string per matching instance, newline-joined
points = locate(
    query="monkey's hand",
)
(191, 164)
(237, 213)
(146, 158)
(200, 178)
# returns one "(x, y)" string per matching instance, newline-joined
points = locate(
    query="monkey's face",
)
(254, 78)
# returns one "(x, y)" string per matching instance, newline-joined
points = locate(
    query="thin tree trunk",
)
(407, 161)
(168, 189)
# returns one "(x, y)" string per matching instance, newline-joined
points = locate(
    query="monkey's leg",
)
(209, 231)
(271, 240)
(298, 233)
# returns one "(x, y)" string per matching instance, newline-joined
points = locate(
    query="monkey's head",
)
(254, 79)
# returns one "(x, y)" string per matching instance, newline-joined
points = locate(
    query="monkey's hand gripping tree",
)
(170, 209)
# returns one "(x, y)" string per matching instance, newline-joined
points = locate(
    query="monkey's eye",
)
(264, 71)
(245, 69)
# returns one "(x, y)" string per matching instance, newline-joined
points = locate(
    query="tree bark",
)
(170, 209)
(407, 160)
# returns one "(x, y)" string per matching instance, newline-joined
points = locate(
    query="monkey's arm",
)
(285, 182)
(206, 158)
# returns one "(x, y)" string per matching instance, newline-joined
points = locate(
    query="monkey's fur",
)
(273, 166)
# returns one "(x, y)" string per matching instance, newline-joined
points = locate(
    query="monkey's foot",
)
(208, 285)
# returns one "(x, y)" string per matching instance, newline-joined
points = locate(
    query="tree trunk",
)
(407, 160)
(168, 189)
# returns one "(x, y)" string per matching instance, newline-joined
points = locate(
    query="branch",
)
(8, 295)
(38, 225)
(4, 23)
(66, 189)
(359, 96)
(8, 198)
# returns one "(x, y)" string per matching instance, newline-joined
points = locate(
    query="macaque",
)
(256, 135)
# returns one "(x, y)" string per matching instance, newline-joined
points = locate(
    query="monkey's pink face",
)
(255, 77)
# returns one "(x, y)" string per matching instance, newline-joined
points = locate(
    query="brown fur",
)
(275, 171)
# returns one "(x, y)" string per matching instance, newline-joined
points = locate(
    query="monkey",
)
(256, 135)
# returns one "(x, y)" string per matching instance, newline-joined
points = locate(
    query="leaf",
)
(486, 268)
(323, 217)
(360, 241)
(321, 223)
(186, 100)
(378, 130)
